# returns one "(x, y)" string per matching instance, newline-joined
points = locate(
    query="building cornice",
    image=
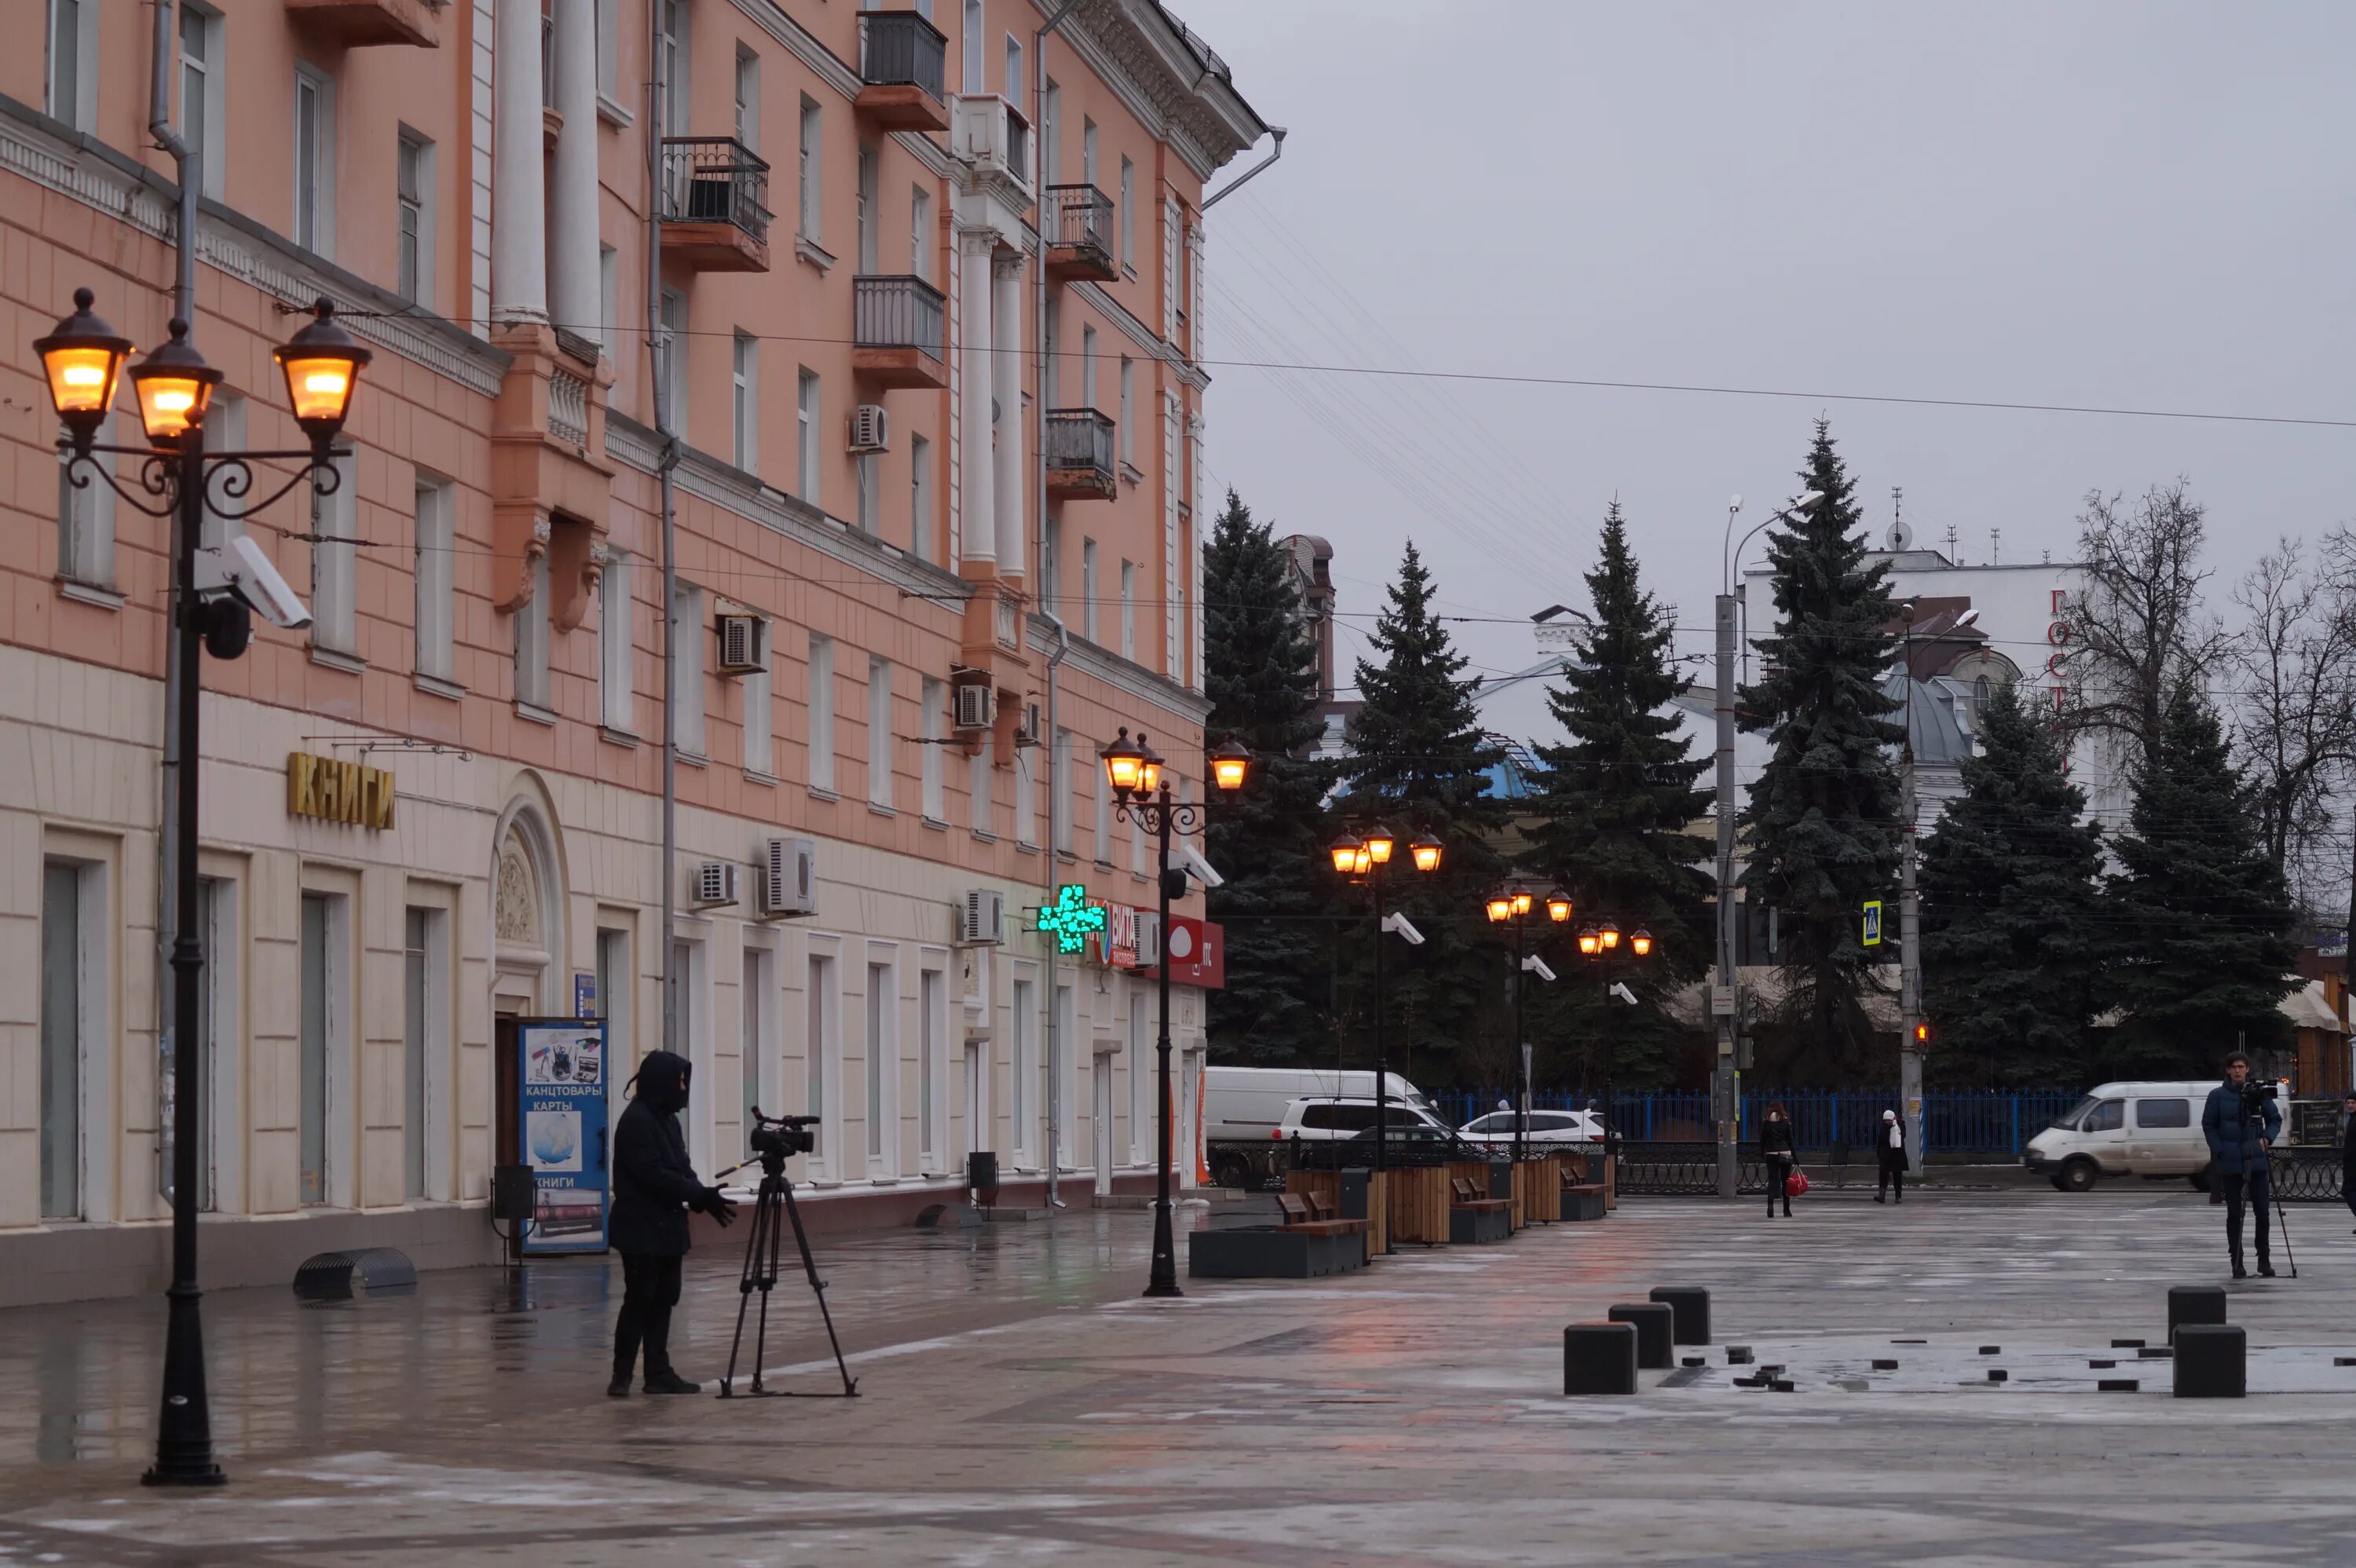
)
(53, 155)
(1123, 675)
(803, 45)
(700, 474)
(1144, 336)
(1165, 77)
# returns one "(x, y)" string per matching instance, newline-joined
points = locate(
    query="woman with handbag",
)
(1780, 1153)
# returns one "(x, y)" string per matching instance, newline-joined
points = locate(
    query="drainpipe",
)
(658, 352)
(1243, 178)
(1055, 804)
(1063, 636)
(184, 306)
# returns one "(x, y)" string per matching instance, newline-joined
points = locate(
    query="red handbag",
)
(1796, 1183)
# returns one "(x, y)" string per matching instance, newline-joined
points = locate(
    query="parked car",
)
(1324, 1120)
(1542, 1127)
(2147, 1129)
(1244, 1104)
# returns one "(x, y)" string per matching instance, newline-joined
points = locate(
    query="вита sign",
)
(339, 792)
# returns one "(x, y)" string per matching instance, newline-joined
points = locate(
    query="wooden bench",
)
(1308, 1241)
(1312, 1214)
(1473, 1217)
(1581, 1199)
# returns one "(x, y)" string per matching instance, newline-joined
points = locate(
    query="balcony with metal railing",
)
(1080, 457)
(903, 69)
(899, 333)
(714, 203)
(1078, 224)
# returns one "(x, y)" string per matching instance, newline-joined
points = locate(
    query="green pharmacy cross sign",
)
(1071, 919)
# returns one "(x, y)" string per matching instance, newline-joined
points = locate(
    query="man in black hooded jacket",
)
(654, 1190)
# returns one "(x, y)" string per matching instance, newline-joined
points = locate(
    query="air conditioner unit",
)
(1149, 939)
(744, 644)
(1027, 733)
(871, 428)
(981, 917)
(789, 877)
(716, 883)
(977, 706)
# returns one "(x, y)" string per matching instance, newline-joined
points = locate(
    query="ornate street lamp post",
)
(215, 591)
(1134, 772)
(1363, 859)
(1513, 905)
(1601, 944)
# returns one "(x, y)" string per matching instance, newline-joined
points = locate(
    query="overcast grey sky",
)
(2142, 205)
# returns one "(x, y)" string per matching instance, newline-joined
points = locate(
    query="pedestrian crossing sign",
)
(1872, 936)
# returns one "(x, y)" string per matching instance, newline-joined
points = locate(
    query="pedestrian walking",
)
(654, 1190)
(2241, 1121)
(1777, 1147)
(1890, 1148)
(2348, 1152)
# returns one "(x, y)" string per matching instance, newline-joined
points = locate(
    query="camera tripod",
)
(776, 1196)
(2254, 1132)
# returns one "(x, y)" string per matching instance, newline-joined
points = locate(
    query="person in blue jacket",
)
(2237, 1157)
(654, 1190)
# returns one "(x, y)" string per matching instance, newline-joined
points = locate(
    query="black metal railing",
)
(715, 179)
(898, 313)
(2304, 1175)
(1079, 216)
(900, 48)
(1683, 1170)
(1079, 438)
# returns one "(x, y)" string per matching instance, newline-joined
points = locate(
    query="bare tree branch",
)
(2296, 717)
(2139, 633)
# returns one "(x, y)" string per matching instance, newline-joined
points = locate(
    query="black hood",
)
(662, 1080)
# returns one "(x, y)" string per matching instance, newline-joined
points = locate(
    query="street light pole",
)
(1910, 922)
(1163, 1279)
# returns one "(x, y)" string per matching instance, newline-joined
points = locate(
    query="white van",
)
(2148, 1129)
(1249, 1102)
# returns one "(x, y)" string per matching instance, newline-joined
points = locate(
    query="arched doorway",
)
(527, 914)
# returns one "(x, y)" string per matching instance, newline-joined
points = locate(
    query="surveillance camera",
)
(1403, 927)
(1202, 870)
(235, 569)
(1537, 965)
(1620, 989)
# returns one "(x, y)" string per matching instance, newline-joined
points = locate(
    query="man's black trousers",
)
(650, 1289)
(2260, 1194)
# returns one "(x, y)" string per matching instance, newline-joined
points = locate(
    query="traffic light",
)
(1921, 1034)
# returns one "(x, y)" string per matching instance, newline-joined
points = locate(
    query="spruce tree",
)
(1824, 811)
(1613, 804)
(1269, 839)
(2199, 922)
(1419, 762)
(2012, 932)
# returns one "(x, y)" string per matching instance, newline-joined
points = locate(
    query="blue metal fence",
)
(1955, 1121)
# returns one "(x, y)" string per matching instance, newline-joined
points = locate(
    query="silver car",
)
(1542, 1127)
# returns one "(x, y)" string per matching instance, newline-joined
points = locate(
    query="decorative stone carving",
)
(516, 896)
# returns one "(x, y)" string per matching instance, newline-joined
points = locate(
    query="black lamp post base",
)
(1163, 1282)
(184, 1437)
(185, 1472)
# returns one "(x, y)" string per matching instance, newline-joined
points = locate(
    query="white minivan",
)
(2148, 1129)
(1249, 1102)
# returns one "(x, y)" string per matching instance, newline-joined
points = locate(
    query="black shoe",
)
(618, 1389)
(1787, 1211)
(2265, 1270)
(1878, 1198)
(672, 1383)
(2241, 1273)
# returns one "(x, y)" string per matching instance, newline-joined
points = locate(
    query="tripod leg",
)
(818, 1288)
(743, 1297)
(764, 1223)
(769, 1277)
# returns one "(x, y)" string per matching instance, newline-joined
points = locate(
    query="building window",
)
(1087, 366)
(867, 214)
(671, 64)
(1026, 795)
(822, 712)
(1012, 90)
(72, 988)
(531, 640)
(609, 63)
(72, 52)
(1060, 796)
(753, 1041)
(323, 1021)
(970, 44)
(1127, 397)
(1051, 117)
(414, 219)
(1088, 150)
(609, 299)
(1051, 322)
(806, 408)
(760, 748)
(203, 104)
(616, 646)
(1128, 212)
(879, 732)
(932, 1023)
(920, 232)
(86, 522)
(981, 783)
(812, 150)
(425, 1025)
(1129, 609)
(1104, 818)
(314, 162)
(672, 347)
(1051, 563)
(1088, 588)
(434, 613)
(933, 695)
(882, 1051)
(742, 409)
(867, 468)
(335, 560)
(920, 498)
(1140, 1077)
(615, 994)
(686, 668)
(1022, 1019)
(748, 99)
(823, 1058)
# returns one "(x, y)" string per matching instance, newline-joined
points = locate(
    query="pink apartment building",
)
(918, 583)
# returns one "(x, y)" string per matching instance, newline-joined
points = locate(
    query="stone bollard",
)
(2194, 1304)
(2212, 1362)
(1598, 1357)
(1654, 1332)
(1688, 1307)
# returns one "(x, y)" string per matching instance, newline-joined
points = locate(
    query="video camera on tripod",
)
(773, 1140)
(781, 1137)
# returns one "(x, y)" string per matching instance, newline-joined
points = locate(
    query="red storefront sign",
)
(1198, 953)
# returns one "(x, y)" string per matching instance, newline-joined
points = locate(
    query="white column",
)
(1006, 325)
(976, 466)
(519, 203)
(575, 298)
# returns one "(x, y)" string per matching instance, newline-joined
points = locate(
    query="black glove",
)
(715, 1203)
